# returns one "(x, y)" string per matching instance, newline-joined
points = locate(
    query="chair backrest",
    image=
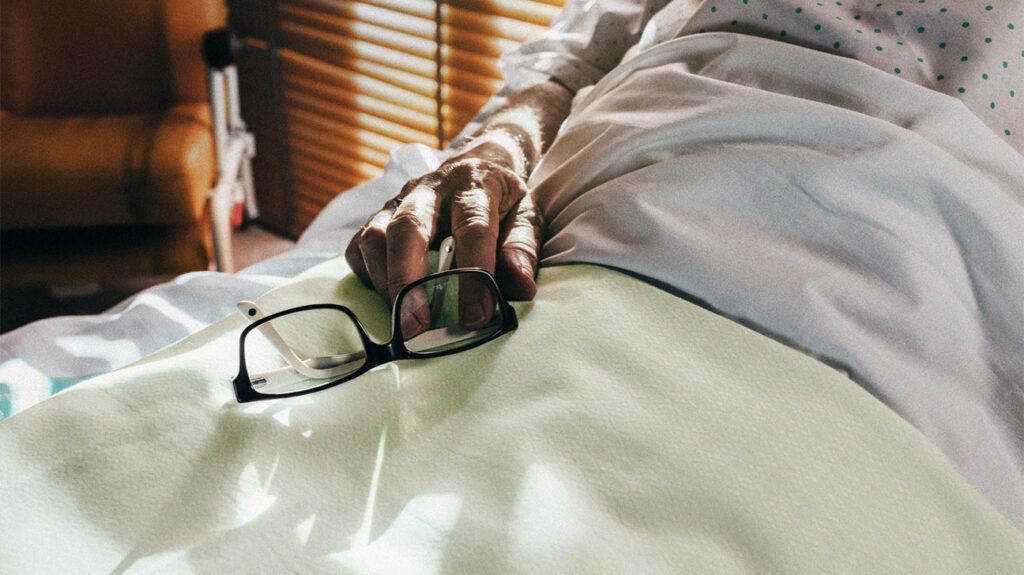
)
(102, 56)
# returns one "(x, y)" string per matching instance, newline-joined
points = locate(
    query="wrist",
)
(499, 146)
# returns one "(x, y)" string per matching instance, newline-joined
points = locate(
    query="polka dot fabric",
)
(971, 50)
(585, 41)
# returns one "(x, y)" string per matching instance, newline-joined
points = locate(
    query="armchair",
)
(106, 150)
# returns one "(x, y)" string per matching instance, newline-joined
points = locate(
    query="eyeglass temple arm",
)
(251, 311)
(445, 255)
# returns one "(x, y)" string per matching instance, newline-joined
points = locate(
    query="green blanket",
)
(620, 429)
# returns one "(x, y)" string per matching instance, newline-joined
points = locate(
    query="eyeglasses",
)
(314, 347)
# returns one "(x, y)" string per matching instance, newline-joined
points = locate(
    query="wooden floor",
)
(22, 305)
(256, 244)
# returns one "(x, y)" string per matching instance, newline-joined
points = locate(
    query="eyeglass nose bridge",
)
(387, 352)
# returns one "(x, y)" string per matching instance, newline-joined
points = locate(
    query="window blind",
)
(330, 86)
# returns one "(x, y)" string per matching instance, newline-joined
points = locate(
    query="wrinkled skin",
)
(479, 196)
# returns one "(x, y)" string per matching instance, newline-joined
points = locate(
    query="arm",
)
(478, 195)
(584, 42)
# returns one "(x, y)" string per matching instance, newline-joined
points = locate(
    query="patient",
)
(479, 195)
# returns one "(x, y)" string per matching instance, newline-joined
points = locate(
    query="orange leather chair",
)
(106, 153)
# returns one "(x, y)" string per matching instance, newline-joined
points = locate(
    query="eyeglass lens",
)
(448, 313)
(303, 350)
(306, 349)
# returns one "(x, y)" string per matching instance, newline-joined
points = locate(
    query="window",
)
(330, 87)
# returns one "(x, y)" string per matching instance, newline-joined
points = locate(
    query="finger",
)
(475, 219)
(414, 314)
(519, 245)
(354, 257)
(408, 237)
(373, 246)
(477, 301)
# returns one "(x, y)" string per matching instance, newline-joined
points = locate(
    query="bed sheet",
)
(871, 222)
(620, 429)
(48, 356)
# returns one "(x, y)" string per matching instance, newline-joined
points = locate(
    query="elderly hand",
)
(477, 198)
(480, 197)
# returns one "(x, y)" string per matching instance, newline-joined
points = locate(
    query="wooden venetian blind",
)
(330, 86)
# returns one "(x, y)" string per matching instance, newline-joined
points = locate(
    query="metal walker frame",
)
(235, 146)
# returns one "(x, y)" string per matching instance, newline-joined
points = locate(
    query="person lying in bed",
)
(480, 195)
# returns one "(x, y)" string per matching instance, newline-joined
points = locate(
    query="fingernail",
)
(521, 285)
(524, 264)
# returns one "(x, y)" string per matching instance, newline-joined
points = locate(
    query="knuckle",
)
(473, 215)
(454, 176)
(508, 185)
(405, 224)
(522, 240)
(533, 222)
(431, 179)
(473, 169)
(472, 228)
(408, 187)
(474, 164)
(380, 219)
(527, 213)
(525, 249)
(372, 236)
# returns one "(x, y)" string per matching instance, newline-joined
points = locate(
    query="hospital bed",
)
(777, 330)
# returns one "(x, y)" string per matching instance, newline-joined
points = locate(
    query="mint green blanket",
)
(620, 429)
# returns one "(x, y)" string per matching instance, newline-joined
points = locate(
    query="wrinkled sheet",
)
(50, 355)
(868, 221)
(619, 429)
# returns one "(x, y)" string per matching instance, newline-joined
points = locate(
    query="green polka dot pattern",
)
(966, 50)
(971, 51)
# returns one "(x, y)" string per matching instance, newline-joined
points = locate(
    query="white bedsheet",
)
(619, 429)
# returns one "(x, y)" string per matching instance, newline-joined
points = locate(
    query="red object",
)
(236, 214)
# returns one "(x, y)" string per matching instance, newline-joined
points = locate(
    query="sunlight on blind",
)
(355, 79)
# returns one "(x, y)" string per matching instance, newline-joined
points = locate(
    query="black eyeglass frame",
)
(377, 354)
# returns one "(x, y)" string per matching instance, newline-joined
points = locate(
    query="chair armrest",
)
(181, 164)
(61, 172)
